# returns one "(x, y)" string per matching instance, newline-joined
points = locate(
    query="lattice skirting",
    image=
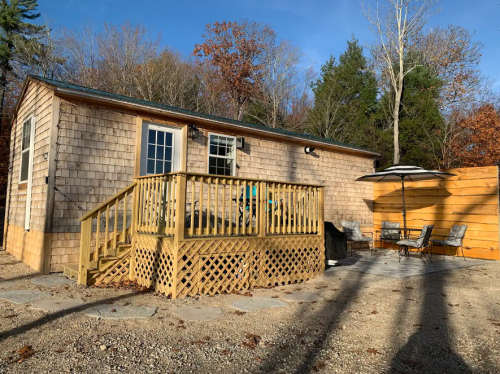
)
(227, 265)
(154, 263)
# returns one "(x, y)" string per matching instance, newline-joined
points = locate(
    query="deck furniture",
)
(420, 243)
(454, 239)
(390, 232)
(354, 234)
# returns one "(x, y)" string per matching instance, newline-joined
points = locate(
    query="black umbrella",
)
(398, 173)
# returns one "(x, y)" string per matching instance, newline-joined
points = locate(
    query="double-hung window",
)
(26, 149)
(221, 154)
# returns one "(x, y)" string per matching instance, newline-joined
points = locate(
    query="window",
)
(25, 150)
(160, 151)
(221, 154)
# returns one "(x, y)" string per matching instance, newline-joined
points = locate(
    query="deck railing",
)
(201, 205)
(190, 205)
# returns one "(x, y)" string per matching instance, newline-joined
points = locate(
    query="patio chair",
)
(354, 234)
(454, 239)
(420, 243)
(390, 232)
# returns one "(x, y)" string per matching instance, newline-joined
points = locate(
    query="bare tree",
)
(398, 26)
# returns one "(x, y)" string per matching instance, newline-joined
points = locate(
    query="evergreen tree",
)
(344, 97)
(419, 119)
(13, 28)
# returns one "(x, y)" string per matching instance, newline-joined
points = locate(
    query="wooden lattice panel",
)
(154, 263)
(233, 264)
(117, 272)
(211, 266)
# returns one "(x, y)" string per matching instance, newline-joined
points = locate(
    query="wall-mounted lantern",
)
(193, 132)
(240, 143)
(309, 150)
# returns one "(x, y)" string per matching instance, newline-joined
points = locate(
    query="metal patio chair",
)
(420, 243)
(354, 234)
(454, 239)
(390, 232)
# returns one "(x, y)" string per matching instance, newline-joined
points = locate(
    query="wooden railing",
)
(190, 205)
(210, 205)
(104, 227)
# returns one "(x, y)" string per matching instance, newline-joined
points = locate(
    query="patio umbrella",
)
(401, 173)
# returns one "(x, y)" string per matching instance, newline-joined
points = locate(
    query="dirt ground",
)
(446, 322)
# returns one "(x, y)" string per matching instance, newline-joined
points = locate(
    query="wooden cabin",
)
(103, 187)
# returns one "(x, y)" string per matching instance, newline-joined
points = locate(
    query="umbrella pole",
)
(404, 210)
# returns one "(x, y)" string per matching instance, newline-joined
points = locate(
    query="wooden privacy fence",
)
(471, 198)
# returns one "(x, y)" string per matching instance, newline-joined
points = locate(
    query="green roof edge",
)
(132, 100)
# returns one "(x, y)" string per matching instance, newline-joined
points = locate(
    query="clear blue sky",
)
(318, 27)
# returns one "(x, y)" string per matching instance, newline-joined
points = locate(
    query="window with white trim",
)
(25, 150)
(221, 154)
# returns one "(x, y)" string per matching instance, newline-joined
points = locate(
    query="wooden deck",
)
(187, 234)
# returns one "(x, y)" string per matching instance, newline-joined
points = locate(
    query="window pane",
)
(161, 138)
(222, 151)
(168, 154)
(159, 151)
(168, 139)
(213, 149)
(159, 167)
(151, 167)
(25, 157)
(152, 137)
(151, 151)
(26, 134)
(168, 167)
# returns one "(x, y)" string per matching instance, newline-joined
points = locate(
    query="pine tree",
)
(419, 118)
(344, 97)
(13, 14)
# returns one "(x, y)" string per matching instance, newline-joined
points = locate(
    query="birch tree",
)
(397, 25)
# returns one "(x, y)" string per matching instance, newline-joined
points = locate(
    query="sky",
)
(319, 27)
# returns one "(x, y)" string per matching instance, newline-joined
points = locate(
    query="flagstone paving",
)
(387, 264)
(23, 296)
(56, 305)
(120, 312)
(198, 313)
(302, 296)
(250, 304)
(52, 280)
(8, 284)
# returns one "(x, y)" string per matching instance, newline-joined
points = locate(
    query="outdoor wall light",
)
(45, 156)
(309, 150)
(193, 132)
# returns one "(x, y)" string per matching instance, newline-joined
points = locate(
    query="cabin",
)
(105, 187)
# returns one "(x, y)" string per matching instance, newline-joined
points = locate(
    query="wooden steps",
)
(98, 269)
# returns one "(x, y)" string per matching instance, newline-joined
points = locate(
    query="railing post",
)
(321, 215)
(85, 239)
(135, 210)
(262, 209)
(180, 206)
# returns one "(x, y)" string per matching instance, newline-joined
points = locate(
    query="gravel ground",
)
(447, 322)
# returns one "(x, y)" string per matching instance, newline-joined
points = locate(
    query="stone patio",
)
(387, 264)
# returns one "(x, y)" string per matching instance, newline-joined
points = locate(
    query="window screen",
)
(222, 155)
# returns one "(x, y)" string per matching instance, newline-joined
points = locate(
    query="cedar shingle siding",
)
(96, 158)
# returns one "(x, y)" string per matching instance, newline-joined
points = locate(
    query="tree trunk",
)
(3, 87)
(397, 105)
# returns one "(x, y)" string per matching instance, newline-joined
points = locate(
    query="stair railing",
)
(113, 221)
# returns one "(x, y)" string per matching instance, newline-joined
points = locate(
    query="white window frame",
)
(30, 149)
(233, 171)
(29, 181)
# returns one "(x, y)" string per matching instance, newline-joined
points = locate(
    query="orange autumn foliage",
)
(480, 144)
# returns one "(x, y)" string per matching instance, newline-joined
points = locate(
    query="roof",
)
(66, 87)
